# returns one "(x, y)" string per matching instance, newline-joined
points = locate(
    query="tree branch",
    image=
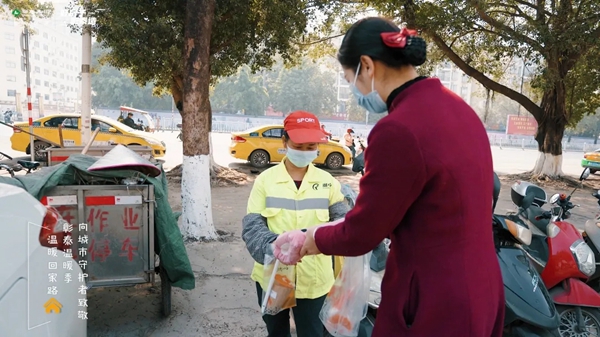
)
(318, 41)
(487, 82)
(501, 26)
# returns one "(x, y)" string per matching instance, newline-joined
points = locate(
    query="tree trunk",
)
(197, 219)
(550, 133)
(177, 93)
(486, 114)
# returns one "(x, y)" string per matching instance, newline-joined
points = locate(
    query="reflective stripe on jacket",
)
(275, 196)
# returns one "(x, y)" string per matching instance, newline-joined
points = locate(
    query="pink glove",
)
(288, 245)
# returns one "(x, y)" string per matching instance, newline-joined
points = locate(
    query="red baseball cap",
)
(304, 127)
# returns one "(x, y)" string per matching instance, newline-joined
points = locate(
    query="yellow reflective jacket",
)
(275, 196)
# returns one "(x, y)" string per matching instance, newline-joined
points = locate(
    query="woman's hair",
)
(364, 38)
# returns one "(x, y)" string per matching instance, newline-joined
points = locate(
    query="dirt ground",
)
(224, 302)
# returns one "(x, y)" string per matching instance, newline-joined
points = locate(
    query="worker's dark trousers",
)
(306, 316)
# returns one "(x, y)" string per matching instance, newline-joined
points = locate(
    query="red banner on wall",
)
(519, 125)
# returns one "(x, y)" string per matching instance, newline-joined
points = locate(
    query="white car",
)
(40, 289)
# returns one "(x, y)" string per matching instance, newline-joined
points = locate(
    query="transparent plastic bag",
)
(281, 287)
(347, 302)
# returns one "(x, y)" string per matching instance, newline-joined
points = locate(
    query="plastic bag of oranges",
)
(280, 293)
(347, 302)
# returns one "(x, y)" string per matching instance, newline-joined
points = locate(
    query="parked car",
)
(36, 296)
(592, 161)
(111, 132)
(263, 145)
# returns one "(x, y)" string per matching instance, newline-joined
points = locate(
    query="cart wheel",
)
(165, 290)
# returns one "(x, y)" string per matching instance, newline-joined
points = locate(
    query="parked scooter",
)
(560, 253)
(529, 310)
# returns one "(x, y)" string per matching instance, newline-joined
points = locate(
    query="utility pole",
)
(86, 81)
(27, 67)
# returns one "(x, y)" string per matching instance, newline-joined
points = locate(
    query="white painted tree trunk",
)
(196, 218)
(548, 165)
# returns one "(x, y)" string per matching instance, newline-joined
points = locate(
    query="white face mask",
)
(301, 158)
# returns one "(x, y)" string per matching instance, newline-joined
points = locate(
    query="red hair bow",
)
(397, 39)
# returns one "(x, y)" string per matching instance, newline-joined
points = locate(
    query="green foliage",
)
(146, 36)
(113, 88)
(29, 9)
(241, 92)
(309, 86)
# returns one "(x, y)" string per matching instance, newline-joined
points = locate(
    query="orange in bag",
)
(346, 304)
(280, 293)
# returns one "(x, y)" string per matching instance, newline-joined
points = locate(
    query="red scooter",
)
(562, 257)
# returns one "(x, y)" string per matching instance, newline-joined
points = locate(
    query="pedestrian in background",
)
(349, 140)
(432, 199)
(294, 195)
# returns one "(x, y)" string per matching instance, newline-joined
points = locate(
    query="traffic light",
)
(16, 13)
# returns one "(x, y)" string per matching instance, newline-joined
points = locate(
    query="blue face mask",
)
(372, 102)
(301, 158)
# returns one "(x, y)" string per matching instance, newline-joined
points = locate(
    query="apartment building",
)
(454, 79)
(55, 57)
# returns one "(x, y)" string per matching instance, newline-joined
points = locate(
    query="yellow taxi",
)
(591, 160)
(111, 132)
(263, 145)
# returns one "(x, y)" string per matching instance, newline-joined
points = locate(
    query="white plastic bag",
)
(281, 287)
(347, 302)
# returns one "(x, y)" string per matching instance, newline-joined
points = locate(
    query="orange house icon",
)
(53, 306)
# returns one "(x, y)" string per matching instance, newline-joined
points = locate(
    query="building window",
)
(465, 78)
(10, 64)
(10, 78)
(9, 50)
(37, 57)
(38, 82)
(444, 75)
(62, 76)
(54, 74)
(46, 72)
(46, 59)
(464, 91)
(47, 97)
(36, 44)
(37, 70)
(54, 62)
(11, 93)
(9, 36)
(46, 47)
(46, 83)
(45, 35)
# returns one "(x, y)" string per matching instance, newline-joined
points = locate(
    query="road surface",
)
(506, 160)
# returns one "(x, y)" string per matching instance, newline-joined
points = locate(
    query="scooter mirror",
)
(585, 174)
(554, 198)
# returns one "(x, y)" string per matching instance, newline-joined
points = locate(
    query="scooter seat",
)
(30, 165)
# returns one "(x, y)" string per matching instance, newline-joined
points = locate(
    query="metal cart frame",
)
(112, 233)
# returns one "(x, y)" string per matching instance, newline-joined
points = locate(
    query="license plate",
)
(594, 164)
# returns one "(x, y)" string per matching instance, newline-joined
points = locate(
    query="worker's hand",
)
(288, 245)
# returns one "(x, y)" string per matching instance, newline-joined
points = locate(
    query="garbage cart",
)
(112, 233)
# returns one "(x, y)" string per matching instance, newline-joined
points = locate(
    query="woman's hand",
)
(310, 246)
(288, 245)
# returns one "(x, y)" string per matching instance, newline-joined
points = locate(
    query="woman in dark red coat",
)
(427, 186)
